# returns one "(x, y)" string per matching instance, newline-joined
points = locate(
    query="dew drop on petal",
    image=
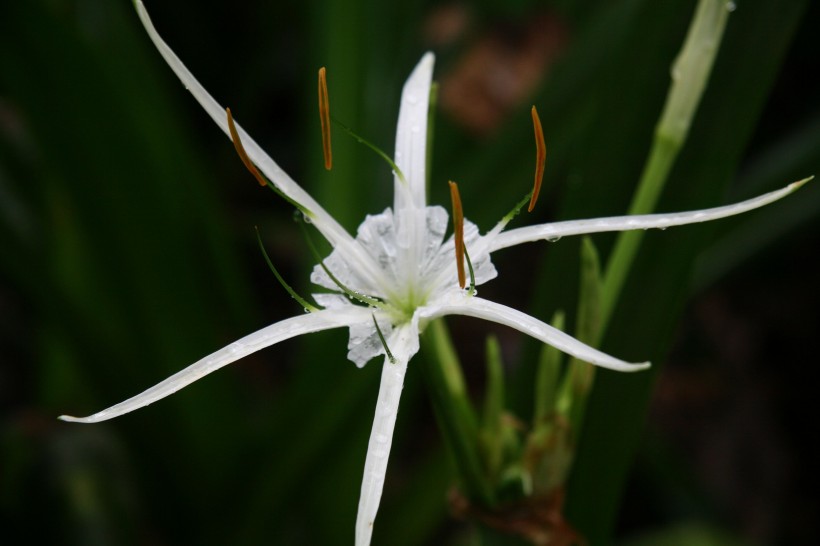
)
(554, 239)
(731, 6)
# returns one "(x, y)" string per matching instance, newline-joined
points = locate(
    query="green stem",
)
(690, 73)
(454, 411)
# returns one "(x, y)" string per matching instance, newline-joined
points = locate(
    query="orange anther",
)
(324, 116)
(243, 155)
(458, 235)
(540, 158)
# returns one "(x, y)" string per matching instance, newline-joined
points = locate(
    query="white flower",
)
(400, 257)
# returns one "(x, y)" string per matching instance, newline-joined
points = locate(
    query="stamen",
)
(381, 154)
(243, 155)
(246, 160)
(540, 158)
(384, 341)
(470, 269)
(324, 116)
(303, 302)
(458, 235)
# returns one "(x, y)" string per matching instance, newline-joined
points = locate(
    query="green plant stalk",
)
(541, 454)
(560, 401)
(599, 297)
(577, 385)
(491, 429)
(546, 378)
(690, 73)
(454, 412)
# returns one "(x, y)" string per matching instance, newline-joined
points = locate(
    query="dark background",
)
(127, 251)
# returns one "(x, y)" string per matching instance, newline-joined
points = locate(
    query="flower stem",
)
(690, 73)
(454, 412)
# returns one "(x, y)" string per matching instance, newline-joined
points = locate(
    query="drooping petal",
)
(403, 343)
(325, 223)
(458, 303)
(625, 223)
(280, 331)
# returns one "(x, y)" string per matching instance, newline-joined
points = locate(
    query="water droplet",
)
(663, 228)
(307, 219)
(554, 239)
(411, 98)
(731, 6)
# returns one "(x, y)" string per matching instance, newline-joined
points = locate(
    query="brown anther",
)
(540, 158)
(458, 235)
(243, 155)
(324, 116)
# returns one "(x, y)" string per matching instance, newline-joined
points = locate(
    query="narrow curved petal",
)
(411, 136)
(325, 223)
(280, 331)
(403, 343)
(410, 198)
(625, 223)
(462, 304)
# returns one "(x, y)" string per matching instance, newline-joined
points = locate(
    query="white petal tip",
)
(96, 418)
(71, 419)
(424, 68)
(800, 183)
(638, 366)
(627, 367)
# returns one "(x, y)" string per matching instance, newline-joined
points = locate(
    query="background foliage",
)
(127, 251)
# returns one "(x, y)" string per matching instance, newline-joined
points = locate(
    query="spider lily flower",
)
(401, 263)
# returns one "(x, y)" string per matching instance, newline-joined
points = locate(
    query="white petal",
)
(403, 344)
(325, 223)
(280, 331)
(333, 301)
(460, 304)
(626, 223)
(364, 343)
(411, 136)
(433, 266)
(371, 269)
(411, 157)
(442, 274)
